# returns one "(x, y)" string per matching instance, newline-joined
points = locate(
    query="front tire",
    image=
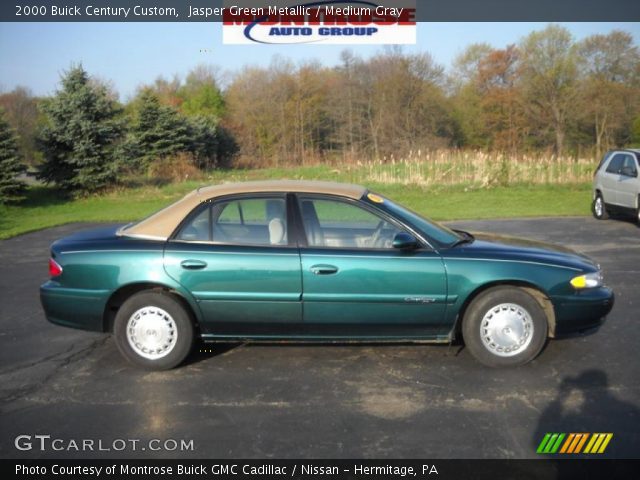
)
(599, 208)
(504, 327)
(153, 330)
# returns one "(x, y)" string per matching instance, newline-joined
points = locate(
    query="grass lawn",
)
(43, 208)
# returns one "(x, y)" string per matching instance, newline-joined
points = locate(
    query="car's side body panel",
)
(74, 307)
(95, 269)
(241, 290)
(374, 293)
(573, 310)
(247, 293)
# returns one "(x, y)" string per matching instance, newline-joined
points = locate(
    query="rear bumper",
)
(74, 307)
(582, 311)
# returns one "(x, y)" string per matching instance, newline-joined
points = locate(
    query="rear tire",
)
(153, 330)
(504, 327)
(599, 208)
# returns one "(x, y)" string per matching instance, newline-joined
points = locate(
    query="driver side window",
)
(336, 224)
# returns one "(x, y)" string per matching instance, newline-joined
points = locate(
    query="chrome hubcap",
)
(599, 207)
(152, 332)
(506, 329)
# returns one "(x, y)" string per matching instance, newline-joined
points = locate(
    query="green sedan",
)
(318, 262)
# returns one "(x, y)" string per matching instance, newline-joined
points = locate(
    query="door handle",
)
(324, 269)
(193, 264)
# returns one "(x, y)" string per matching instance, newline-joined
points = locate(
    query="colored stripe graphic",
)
(598, 443)
(574, 443)
(550, 443)
(581, 443)
(567, 443)
(543, 443)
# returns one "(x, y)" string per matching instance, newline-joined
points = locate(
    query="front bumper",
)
(584, 310)
(74, 307)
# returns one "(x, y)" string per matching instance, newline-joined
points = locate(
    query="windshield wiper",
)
(466, 238)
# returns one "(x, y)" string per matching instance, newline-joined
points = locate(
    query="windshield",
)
(442, 235)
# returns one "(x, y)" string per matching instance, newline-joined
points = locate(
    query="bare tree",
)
(609, 85)
(549, 74)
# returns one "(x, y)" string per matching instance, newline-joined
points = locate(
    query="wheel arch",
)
(598, 191)
(535, 291)
(119, 296)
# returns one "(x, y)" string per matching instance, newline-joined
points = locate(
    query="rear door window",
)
(250, 221)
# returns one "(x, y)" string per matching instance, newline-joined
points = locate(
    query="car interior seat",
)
(277, 231)
(277, 225)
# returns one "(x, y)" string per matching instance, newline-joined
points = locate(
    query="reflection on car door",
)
(356, 284)
(235, 257)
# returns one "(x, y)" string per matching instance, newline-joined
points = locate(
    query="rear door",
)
(355, 284)
(236, 258)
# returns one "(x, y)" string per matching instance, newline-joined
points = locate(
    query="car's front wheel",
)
(599, 208)
(153, 330)
(504, 326)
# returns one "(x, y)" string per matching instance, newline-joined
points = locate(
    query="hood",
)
(515, 248)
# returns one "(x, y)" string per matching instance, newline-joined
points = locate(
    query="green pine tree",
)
(157, 131)
(80, 137)
(211, 145)
(10, 163)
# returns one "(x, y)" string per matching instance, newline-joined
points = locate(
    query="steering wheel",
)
(375, 236)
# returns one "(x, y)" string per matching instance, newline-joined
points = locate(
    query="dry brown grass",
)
(177, 168)
(452, 167)
(458, 167)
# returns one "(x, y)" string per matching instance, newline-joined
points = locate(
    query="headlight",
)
(588, 280)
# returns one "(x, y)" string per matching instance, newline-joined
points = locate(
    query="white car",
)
(616, 186)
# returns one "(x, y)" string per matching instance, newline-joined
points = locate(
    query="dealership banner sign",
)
(324, 22)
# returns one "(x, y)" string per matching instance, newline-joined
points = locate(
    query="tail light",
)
(54, 268)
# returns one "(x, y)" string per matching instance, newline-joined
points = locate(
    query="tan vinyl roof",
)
(161, 224)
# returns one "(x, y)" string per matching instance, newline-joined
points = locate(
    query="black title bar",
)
(335, 469)
(427, 10)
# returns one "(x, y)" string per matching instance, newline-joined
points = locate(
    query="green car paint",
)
(298, 292)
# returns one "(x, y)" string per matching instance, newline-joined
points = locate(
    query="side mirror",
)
(405, 241)
(629, 172)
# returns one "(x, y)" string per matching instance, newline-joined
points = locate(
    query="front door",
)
(356, 284)
(628, 183)
(235, 257)
(611, 178)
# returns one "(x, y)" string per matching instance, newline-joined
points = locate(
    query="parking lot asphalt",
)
(321, 401)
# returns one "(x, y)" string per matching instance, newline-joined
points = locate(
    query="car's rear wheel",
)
(153, 330)
(599, 208)
(505, 326)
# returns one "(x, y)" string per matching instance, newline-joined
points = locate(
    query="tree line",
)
(548, 92)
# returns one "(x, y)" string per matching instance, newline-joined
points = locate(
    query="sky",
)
(128, 55)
